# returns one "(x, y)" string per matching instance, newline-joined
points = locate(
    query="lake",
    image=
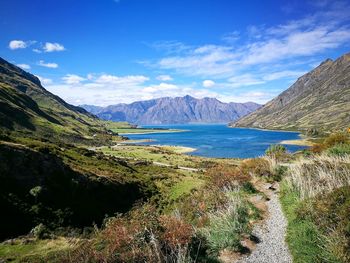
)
(218, 140)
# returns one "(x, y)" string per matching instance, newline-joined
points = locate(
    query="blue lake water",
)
(218, 140)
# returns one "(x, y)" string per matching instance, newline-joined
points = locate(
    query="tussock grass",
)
(319, 174)
(227, 224)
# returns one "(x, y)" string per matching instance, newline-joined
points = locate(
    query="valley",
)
(136, 131)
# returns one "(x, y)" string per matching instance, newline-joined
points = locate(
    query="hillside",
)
(317, 100)
(174, 110)
(26, 107)
(45, 179)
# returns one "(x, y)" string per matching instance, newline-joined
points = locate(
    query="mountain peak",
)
(169, 110)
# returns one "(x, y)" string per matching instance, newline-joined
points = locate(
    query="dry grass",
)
(319, 175)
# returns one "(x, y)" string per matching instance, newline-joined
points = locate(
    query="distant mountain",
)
(26, 107)
(174, 110)
(318, 100)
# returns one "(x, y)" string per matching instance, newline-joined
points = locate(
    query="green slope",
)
(27, 108)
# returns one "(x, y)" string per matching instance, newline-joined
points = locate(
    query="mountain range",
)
(318, 100)
(169, 110)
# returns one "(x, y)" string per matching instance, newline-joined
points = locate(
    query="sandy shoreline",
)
(299, 142)
(177, 149)
(150, 132)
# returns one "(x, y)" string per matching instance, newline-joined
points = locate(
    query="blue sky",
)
(108, 51)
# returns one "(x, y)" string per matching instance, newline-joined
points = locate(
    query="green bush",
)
(304, 238)
(226, 227)
(40, 232)
(339, 149)
(277, 151)
(331, 214)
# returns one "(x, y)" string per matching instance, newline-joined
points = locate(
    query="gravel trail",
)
(272, 247)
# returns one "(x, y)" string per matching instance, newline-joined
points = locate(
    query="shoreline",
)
(177, 148)
(150, 132)
(302, 141)
(262, 129)
(298, 142)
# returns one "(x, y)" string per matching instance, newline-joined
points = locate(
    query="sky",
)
(104, 52)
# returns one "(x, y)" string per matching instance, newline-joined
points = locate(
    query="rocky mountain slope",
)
(27, 107)
(174, 110)
(319, 100)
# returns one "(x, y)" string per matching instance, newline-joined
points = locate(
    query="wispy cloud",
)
(73, 79)
(24, 66)
(52, 47)
(170, 47)
(47, 65)
(252, 65)
(45, 81)
(164, 78)
(324, 30)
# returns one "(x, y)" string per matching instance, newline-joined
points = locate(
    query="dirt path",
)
(271, 247)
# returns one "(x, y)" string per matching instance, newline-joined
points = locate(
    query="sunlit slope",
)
(318, 100)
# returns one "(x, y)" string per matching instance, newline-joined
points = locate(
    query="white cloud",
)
(72, 79)
(208, 83)
(45, 81)
(23, 66)
(244, 80)
(207, 60)
(296, 44)
(120, 81)
(170, 46)
(47, 65)
(37, 50)
(17, 44)
(160, 88)
(256, 96)
(108, 89)
(51, 47)
(235, 73)
(283, 74)
(164, 78)
(325, 30)
(231, 37)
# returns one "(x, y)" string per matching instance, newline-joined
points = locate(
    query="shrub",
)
(255, 167)
(175, 238)
(336, 138)
(222, 176)
(318, 148)
(339, 149)
(276, 151)
(142, 236)
(40, 232)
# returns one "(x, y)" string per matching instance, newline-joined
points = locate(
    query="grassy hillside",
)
(317, 101)
(29, 109)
